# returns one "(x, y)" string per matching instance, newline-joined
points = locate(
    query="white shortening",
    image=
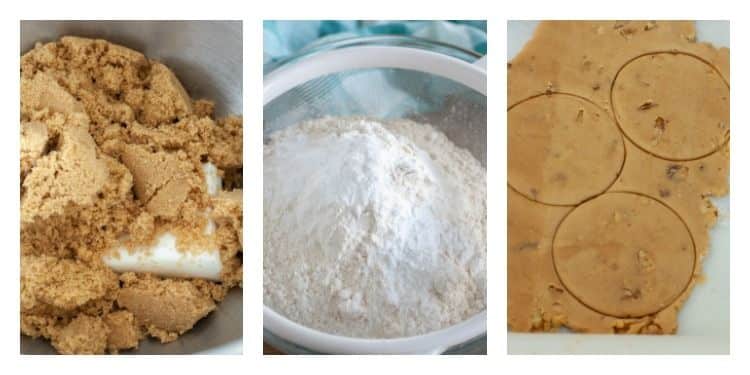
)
(163, 258)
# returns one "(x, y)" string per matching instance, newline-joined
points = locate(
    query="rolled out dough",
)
(603, 236)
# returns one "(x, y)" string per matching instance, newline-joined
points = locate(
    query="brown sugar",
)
(34, 138)
(43, 92)
(142, 229)
(71, 175)
(610, 173)
(84, 335)
(227, 212)
(112, 148)
(123, 331)
(166, 100)
(64, 286)
(162, 180)
(166, 308)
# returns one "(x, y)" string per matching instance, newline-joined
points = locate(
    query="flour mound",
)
(373, 229)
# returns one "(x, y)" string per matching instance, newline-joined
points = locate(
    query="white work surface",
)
(703, 321)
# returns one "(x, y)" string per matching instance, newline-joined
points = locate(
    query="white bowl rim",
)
(363, 57)
(434, 342)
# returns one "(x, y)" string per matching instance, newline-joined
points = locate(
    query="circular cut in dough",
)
(624, 255)
(562, 149)
(672, 105)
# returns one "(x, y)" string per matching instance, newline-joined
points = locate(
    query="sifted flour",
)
(372, 229)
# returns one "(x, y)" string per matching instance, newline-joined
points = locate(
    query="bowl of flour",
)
(375, 203)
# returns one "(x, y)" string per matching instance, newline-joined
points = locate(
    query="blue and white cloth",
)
(379, 93)
(282, 39)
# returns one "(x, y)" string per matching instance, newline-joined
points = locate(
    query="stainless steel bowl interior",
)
(207, 58)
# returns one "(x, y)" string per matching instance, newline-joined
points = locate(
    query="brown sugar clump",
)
(203, 108)
(43, 92)
(228, 212)
(50, 284)
(166, 308)
(227, 154)
(123, 331)
(166, 100)
(34, 138)
(84, 335)
(85, 231)
(161, 180)
(142, 229)
(111, 154)
(74, 174)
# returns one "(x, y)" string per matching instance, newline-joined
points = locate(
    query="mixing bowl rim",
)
(434, 342)
(324, 63)
(409, 41)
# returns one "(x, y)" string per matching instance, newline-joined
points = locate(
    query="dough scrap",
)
(583, 58)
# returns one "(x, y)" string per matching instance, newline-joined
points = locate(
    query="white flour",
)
(372, 229)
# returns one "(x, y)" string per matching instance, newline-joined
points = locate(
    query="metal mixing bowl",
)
(207, 58)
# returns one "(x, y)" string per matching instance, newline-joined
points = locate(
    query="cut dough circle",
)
(562, 149)
(672, 105)
(624, 255)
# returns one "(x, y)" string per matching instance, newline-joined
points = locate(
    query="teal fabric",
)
(282, 39)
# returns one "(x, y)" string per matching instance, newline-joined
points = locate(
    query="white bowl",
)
(295, 338)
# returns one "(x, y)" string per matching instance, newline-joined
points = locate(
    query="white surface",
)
(165, 259)
(234, 347)
(213, 181)
(704, 320)
(335, 61)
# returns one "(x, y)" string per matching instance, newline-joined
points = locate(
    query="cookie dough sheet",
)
(618, 137)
